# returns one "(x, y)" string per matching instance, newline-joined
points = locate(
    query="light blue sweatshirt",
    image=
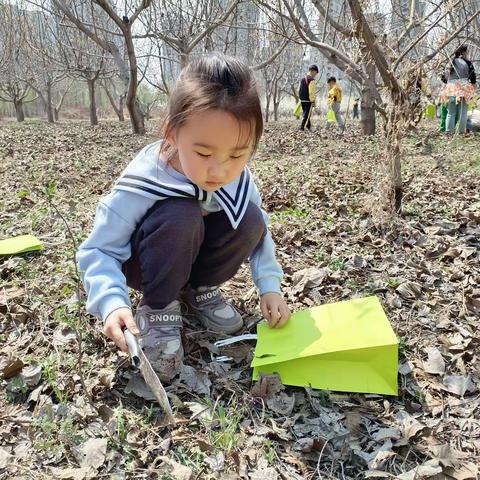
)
(146, 180)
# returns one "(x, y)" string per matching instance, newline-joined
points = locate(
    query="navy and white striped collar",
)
(146, 176)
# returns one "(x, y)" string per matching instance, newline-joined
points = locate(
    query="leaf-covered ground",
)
(72, 412)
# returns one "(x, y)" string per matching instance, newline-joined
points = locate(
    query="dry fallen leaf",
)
(174, 469)
(427, 470)
(72, 473)
(458, 384)
(5, 457)
(10, 293)
(197, 380)
(263, 471)
(409, 290)
(435, 363)
(31, 374)
(91, 454)
(281, 403)
(267, 386)
(10, 366)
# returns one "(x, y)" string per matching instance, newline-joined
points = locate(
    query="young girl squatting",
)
(183, 217)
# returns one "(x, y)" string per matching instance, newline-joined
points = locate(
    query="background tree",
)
(13, 89)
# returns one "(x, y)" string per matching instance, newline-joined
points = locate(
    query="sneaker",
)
(160, 338)
(209, 306)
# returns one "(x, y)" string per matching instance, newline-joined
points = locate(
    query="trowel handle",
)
(133, 347)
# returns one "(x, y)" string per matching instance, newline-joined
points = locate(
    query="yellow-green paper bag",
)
(20, 244)
(298, 109)
(347, 346)
(430, 111)
(331, 118)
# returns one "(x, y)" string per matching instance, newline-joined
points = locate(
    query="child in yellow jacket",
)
(335, 100)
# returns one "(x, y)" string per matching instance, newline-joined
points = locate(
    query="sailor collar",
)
(156, 183)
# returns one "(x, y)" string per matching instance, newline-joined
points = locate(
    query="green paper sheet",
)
(347, 346)
(20, 244)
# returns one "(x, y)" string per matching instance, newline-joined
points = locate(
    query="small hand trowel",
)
(140, 361)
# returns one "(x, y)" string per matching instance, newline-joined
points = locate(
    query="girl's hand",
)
(122, 317)
(274, 309)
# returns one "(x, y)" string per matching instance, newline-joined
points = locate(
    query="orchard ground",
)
(65, 409)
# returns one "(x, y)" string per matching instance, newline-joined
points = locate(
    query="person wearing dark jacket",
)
(306, 93)
(458, 90)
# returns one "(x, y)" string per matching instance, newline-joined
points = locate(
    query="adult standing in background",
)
(459, 89)
(306, 93)
(335, 100)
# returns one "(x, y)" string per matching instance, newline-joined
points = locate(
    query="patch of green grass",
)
(222, 428)
(403, 346)
(444, 211)
(51, 366)
(337, 263)
(16, 390)
(393, 282)
(354, 283)
(193, 459)
(329, 221)
(23, 193)
(471, 164)
(269, 452)
(412, 209)
(282, 215)
(420, 397)
(53, 433)
(38, 216)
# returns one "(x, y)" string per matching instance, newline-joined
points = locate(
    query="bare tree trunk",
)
(397, 119)
(395, 154)
(275, 110)
(184, 58)
(267, 106)
(48, 104)
(276, 100)
(367, 112)
(294, 92)
(19, 110)
(58, 107)
(93, 105)
(118, 110)
(137, 118)
(121, 116)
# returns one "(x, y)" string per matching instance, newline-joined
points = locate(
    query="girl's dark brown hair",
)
(214, 81)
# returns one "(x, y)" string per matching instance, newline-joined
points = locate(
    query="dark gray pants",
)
(307, 108)
(175, 245)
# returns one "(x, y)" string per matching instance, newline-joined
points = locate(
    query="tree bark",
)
(118, 110)
(121, 116)
(184, 58)
(275, 110)
(93, 105)
(267, 106)
(48, 104)
(19, 110)
(367, 101)
(367, 112)
(394, 129)
(137, 117)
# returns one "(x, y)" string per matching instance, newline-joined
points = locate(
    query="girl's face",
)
(212, 148)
